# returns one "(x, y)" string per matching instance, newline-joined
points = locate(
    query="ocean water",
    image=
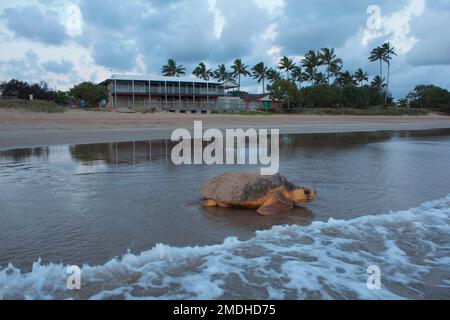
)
(129, 219)
(325, 260)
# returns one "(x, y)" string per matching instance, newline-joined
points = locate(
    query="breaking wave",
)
(326, 260)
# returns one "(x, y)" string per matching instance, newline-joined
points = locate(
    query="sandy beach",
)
(19, 129)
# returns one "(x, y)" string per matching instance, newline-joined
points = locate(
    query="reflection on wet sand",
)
(246, 218)
(21, 155)
(149, 151)
(157, 150)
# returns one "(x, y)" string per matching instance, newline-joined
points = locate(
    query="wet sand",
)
(25, 129)
(130, 219)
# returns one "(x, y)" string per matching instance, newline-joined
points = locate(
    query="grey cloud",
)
(31, 23)
(431, 30)
(245, 23)
(114, 52)
(182, 30)
(111, 14)
(117, 33)
(325, 23)
(25, 68)
(59, 67)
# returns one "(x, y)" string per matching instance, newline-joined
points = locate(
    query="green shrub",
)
(89, 92)
(429, 97)
(355, 97)
(32, 106)
(322, 96)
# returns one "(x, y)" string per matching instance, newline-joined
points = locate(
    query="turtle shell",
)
(235, 188)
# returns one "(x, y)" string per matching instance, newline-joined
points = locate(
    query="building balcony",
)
(169, 91)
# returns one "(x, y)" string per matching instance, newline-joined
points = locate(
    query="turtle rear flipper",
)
(276, 203)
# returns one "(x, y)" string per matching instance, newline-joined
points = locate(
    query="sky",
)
(67, 42)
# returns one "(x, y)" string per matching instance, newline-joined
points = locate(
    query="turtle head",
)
(301, 195)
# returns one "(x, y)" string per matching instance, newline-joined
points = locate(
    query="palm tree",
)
(202, 72)
(273, 75)
(239, 70)
(298, 75)
(320, 78)
(335, 68)
(259, 72)
(222, 74)
(172, 70)
(311, 62)
(345, 78)
(361, 76)
(378, 83)
(329, 59)
(377, 54)
(286, 64)
(309, 74)
(388, 54)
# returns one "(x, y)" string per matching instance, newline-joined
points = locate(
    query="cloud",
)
(139, 36)
(396, 27)
(29, 68)
(115, 52)
(316, 24)
(26, 68)
(432, 47)
(33, 24)
(60, 67)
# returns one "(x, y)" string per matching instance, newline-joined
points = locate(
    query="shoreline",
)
(27, 130)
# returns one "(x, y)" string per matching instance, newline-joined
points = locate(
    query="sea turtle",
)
(268, 194)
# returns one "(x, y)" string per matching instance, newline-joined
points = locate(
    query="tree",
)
(298, 75)
(61, 97)
(239, 70)
(14, 88)
(171, 69)
(329, 59)
(90, 92)
(273, 75)
(285, 91)
(222, 74)
(202, 72)
(286, 64)
(320, 78)
(355, 97)
(345, 79)
(322, 96)
(311, 62)
(388, 54)
(335, 68)
(378, 83)
(259, 73)
(429, 97)
(23, 90)
(377, 54)
(361, 76)
(310, 75)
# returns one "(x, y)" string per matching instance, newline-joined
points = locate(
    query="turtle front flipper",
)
(276, 203)
(210, 203)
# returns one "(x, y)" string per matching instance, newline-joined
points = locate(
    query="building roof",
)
(227, 84)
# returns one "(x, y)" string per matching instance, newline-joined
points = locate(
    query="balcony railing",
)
(170, 90)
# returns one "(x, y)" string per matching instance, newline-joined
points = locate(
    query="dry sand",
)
(20, 129)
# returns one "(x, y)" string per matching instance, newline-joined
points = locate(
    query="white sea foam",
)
(326, 260)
